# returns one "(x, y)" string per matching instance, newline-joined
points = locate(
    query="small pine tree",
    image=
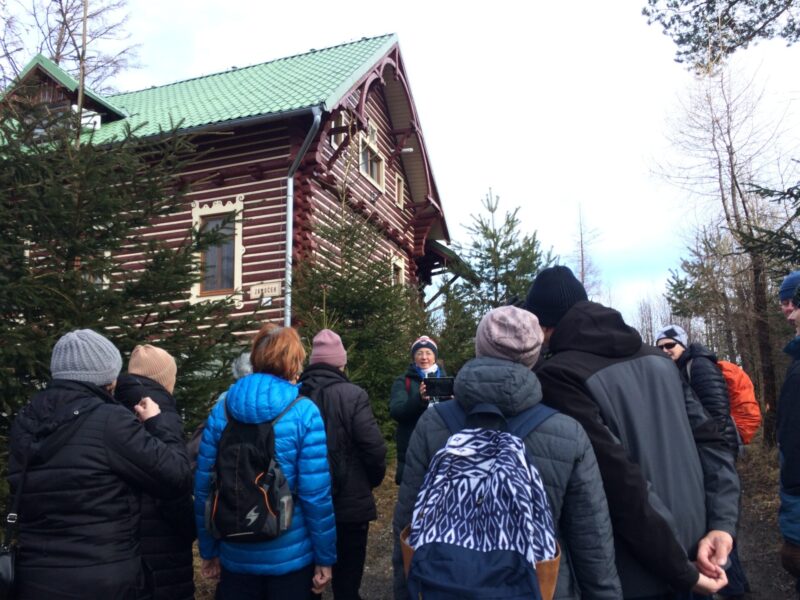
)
(69, 214)
(504, 260)
(349, 287)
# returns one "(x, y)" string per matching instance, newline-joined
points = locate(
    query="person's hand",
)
(713, 551)
(210, 569)
(322, 576)
(422, 392)
(707, 585)
(146, 409)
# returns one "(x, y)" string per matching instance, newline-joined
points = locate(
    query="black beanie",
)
(553, 293)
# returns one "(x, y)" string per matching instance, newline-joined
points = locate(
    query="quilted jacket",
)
(562, 453)
(302, 453)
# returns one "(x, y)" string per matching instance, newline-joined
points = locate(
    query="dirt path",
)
(759, 540)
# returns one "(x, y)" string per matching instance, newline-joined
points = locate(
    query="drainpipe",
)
(316, 111)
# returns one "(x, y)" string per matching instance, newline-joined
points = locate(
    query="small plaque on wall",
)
(266, 289)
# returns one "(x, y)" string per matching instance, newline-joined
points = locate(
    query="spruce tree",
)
(69, 214)
(350, 286)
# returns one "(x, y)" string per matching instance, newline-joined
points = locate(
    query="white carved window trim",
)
(201, 210)
(398, 268)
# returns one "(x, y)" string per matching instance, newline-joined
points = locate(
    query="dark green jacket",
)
(406, 406)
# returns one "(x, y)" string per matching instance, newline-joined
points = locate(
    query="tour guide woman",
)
(408, 399)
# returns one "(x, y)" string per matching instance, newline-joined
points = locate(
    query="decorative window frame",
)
(369, 143)
(201, 210)
(337, 138)
(398, 266)
(399, 191)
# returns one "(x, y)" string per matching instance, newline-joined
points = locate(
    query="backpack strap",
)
(452, 414)
(408, 384)
(230, 417)
(529, 419)
(520, 425)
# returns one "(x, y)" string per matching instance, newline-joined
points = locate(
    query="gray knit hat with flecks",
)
(85, 355)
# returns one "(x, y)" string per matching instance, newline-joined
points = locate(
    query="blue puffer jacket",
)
(302, 453)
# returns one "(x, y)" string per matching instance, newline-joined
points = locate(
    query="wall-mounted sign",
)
(265, 289)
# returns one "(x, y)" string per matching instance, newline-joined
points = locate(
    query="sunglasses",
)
(667, 346)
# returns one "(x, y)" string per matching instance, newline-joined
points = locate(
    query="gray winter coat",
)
(563, 455)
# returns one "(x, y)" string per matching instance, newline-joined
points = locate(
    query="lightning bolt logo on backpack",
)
(252, 515)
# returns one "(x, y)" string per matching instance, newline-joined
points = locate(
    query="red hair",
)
(278, 350)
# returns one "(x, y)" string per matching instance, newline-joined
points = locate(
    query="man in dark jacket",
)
(87, 460)
(507, 345)
(698, 366)
(789, 448)
(356, 453)
(669, 479)
(168, 526)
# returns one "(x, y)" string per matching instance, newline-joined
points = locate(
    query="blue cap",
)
(789, 285)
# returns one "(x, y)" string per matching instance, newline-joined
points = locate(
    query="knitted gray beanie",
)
(84, 355)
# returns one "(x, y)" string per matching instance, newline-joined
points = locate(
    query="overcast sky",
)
(554, 105)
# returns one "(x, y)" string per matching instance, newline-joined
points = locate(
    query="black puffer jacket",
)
(89, 460)
(346, 408)
(168, 526)
(698, 366)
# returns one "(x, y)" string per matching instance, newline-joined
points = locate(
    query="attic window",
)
(89, 118)
(370, 159)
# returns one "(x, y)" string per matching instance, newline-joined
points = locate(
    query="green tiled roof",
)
(319, 77)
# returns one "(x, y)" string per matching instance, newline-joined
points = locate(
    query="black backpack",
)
(250, 499)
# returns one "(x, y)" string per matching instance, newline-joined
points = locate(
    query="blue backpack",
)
(482, 520)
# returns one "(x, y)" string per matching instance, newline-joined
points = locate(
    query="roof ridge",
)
(261, 64)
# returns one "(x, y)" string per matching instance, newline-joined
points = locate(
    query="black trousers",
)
(351, 552)
(295, 585)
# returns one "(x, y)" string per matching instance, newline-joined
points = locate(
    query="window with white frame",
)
(398, 270)
(399, 191)
(339, 122)
(221, 264)
(370, 159)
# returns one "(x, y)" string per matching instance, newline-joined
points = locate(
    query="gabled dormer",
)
(46, 83)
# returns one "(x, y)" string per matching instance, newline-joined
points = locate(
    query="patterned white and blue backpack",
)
(482, 520)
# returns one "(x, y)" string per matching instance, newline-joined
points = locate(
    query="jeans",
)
(244, 586)
(737, 579)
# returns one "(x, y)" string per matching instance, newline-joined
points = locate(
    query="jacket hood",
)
(132, 388)
(259, 397)
(697, 351)
(320, 375)
(508, 385)
(596, 329)
(61, 403)
(793, 348)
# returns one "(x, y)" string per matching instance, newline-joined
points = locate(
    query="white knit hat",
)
(673, 332)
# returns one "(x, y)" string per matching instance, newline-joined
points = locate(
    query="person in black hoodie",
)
(85, 459)
(670, 481)
(356, 453)
(167, 526)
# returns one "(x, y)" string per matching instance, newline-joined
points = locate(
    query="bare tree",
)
(54, 28)
(727, 148)
(585, 268)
